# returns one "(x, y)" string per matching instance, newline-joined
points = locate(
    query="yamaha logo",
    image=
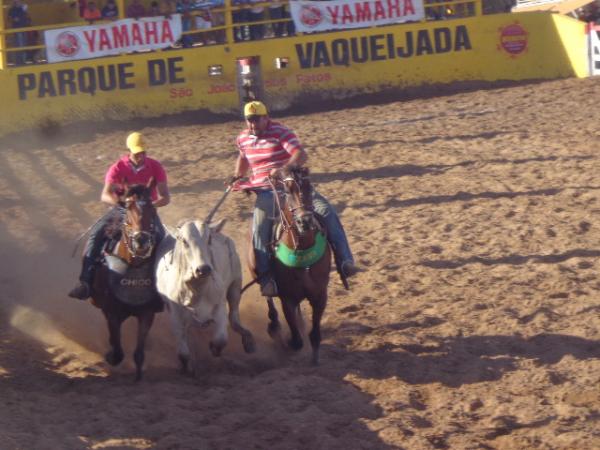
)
(513, 39)
(67, 44)
(311, 16)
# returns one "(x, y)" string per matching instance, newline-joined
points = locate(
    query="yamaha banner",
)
(343, 14)
(121, 36)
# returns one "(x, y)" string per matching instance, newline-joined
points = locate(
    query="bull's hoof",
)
(248, 343)
(184, 362)
(114, 358)
(295, 344)
(215, 349)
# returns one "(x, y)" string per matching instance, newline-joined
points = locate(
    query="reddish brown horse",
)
(124, 284)
(302, 260)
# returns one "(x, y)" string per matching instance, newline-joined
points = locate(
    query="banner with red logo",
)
(121, 36)
(343, 14)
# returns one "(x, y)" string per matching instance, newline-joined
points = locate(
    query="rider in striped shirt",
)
(267, 148)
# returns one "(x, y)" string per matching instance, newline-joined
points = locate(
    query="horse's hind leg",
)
(115, 355)
(144, 323)
(233, 299)
(318, 307)
(274, 327)
(289, 311)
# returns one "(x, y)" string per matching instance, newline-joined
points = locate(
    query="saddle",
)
(132, 285)
(296, 260)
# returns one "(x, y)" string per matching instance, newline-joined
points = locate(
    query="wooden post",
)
(228, 22)
(478, 8)
(120, 7)
(2, 37)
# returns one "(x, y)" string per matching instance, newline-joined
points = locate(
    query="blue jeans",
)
(265, 213)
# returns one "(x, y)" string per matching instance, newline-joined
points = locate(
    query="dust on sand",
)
(476, 325)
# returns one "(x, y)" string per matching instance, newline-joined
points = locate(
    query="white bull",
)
(197, 270)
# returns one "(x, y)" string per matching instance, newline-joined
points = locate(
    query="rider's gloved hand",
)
(232, 180)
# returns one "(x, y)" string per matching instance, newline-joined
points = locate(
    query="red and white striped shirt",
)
(271, 150)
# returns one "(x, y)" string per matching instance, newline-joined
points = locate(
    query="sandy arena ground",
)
(476, 325)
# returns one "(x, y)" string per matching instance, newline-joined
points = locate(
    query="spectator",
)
(136, 10)
(81, 4)
(33, 37)
(276, 11)
(218, 19)
(240, 16)
(289, 26)
(204, 22)
(91, 13)
(18, 18)
(154, 9)
(166, 8)
(185, 7)
(110, 11)
(256, 14)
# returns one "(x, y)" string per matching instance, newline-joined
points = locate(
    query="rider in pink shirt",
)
(133, 168)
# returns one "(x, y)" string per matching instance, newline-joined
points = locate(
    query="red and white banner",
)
(342, 14)
(121, 36)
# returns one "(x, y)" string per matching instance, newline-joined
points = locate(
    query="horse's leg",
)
(318, 307)
(219, 339)
(115, 355)
(233, 298)
(179, 327)
(144, 323)
(274, 327)
(289, 311)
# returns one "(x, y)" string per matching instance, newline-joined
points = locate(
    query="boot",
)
(268, 288)
(349, 268)
(84, 289)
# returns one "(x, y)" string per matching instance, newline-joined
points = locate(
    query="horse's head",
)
(193, 251)
(298, 195)
(139, 223)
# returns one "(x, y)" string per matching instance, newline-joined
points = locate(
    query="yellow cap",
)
(255, 108)
(136, 143)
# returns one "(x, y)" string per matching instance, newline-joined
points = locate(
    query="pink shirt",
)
(123, 173)
(271, 150)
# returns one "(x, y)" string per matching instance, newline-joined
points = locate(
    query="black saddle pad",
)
(133, 286)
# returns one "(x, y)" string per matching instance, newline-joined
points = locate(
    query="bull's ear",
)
(218, 226)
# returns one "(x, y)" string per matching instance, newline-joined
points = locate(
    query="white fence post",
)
(594, 48)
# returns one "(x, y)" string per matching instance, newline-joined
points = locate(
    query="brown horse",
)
(124, 284)
(302, 260)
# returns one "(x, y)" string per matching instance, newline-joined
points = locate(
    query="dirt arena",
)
(476, 325)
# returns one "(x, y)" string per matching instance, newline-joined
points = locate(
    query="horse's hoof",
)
(315, 360)
(273, 329)
(295, 344)
(138, 376)
(114, 358)
(183, 364)
(248, 343)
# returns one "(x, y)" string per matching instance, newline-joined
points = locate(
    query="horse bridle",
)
(132, 236)
(309, 210)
